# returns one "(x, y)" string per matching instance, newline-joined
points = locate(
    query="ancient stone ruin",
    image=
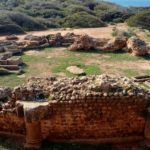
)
(137, 46)
(95, 109)
(12, 46)
(133, 45)
(83, 42)
(115, 44)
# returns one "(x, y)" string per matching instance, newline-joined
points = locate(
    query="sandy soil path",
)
(102, 32)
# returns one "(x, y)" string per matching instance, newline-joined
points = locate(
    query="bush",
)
(32, 14)
(76, 8)
(128, 34)
(114, 16)
(141, 20)
(10, 29)
(109, 12)
(14, 23)
(51, 13)
(83, 19)
(25, 22)
(47, 23)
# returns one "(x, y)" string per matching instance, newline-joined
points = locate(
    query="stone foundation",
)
(109, 120)
(93, 119)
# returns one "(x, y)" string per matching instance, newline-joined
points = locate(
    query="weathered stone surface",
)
(15, 60)
(94, 109)
(2, 49)
(118, 43)
(55, 39)
(5, 93)
(4, 71)
(34, 111)
(101, 42)
(69, 38)
(75, 70)
(13, 49)
(12, 37)
(82, 87)
(33, 41)
(5, 56)
(33, 38)
(31, 44)
(83, 42)
(136, 46)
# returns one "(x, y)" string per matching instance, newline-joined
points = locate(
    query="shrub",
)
(76, 8)
(10, 29)
(47, 23)
(61, 13)
(26, 22)
(114, 16)
(83, 19)
(141, 20)
(128, 34)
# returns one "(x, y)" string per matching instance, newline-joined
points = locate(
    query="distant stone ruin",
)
(13, 46)
(133, 45)
(137, 46)
(95, 110)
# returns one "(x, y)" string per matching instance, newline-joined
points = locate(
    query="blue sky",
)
(131, 2)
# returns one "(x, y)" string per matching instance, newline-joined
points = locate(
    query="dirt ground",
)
(101, 32)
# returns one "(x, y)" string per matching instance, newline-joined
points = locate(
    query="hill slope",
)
(17, 16)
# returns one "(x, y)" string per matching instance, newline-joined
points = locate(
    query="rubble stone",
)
(5, 93)
(12, 37)
(75, 70)
(94, 108)
(137, 46)
(15, 60)
(118, 43)
(83, 42)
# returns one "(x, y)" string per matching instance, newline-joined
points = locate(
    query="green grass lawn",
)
(63, 62)
(130, 72)
(54, 61)
(11, 80)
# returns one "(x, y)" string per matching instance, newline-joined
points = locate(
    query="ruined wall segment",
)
(12, 125)
(102, 119)
(94, 109)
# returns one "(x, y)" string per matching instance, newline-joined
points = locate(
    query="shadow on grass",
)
(96, 51)
(90, 51)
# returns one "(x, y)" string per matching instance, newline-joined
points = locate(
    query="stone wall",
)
(102, 120)
(96, 109)
(12, 125)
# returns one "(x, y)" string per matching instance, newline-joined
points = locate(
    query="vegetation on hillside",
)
(141, 20)
(18, 16)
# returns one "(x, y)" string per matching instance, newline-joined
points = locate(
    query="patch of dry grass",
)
(54, 61)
